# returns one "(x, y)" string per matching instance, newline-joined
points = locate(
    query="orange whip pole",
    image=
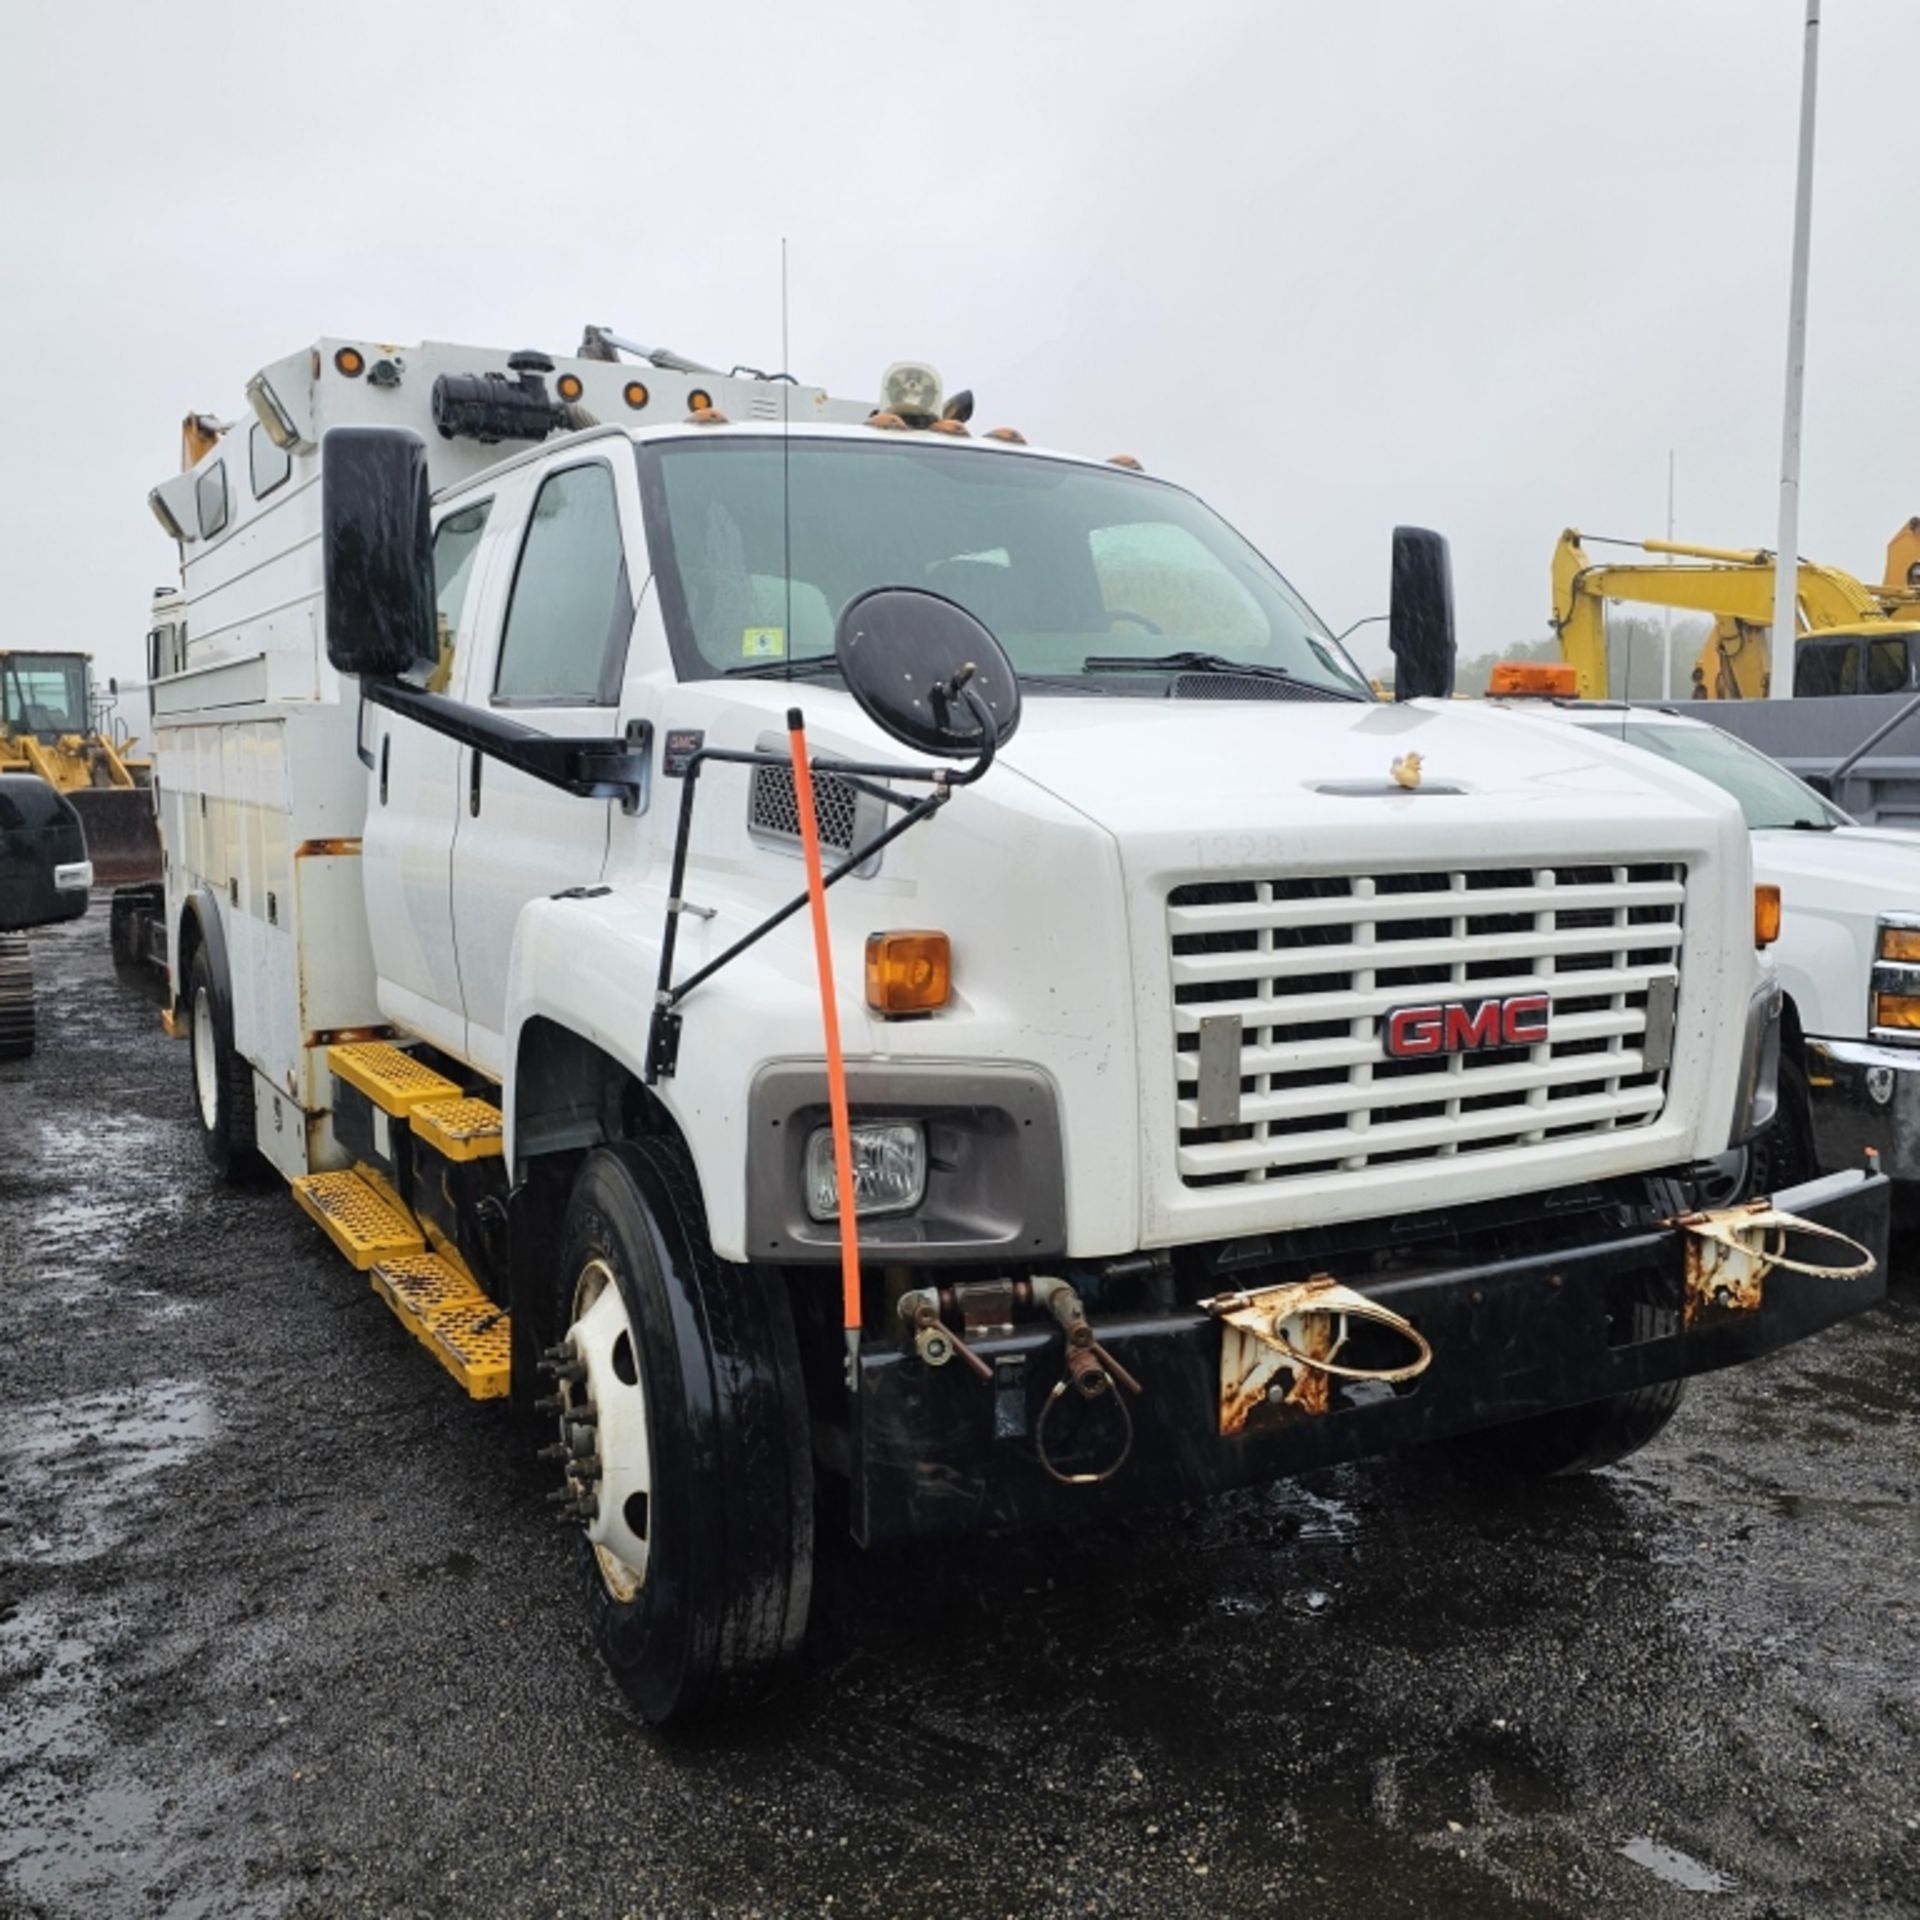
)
(836, 1063)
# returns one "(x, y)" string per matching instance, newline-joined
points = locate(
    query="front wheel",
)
(683, 1440)
(1572, 1439)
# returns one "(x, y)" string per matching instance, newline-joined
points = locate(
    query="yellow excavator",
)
(49, 726)
(1735, 586)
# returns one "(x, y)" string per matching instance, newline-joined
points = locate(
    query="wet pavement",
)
(284, 1630)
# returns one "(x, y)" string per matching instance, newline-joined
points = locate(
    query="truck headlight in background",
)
(889, 1170)
(1757, 1099)
(1893, 1001)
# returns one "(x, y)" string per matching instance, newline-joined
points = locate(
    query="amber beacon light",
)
(908, 972)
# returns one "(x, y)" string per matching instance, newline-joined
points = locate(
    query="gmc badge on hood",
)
(1468, 1026)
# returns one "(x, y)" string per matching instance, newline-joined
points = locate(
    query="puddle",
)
(74, 1469)
(1677, 1869)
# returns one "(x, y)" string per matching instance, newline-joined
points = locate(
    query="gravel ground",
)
(283, 1630)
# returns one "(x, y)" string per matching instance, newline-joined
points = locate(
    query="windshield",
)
(44, 692)
(756, 555)
(1768, 794)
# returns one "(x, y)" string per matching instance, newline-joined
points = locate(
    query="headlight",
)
(889, 1170)
(1758, 1097)
(1893, 1000)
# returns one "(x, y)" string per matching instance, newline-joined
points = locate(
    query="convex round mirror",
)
(901, 651)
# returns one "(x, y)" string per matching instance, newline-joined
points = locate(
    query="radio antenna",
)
(786, 442)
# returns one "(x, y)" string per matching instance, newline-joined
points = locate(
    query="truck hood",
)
(1876, 868)
(1143, 768)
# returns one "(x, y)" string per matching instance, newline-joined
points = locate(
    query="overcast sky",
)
(1475, 265)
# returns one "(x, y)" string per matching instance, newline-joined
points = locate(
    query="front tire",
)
(684, 1435)
(1783, 1156)
(222, 1078)
(1572, 1440)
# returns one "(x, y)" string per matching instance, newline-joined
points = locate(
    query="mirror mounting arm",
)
(611, 769)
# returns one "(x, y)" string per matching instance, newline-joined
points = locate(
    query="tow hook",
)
(1731, 1250)
(1298, 1330)
(1091, 1371)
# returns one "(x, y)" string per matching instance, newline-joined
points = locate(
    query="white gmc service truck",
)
(1245, 1074)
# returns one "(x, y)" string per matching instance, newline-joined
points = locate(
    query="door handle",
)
(473, 784)
(386, 754)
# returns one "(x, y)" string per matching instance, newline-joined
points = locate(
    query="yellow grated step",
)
(441, 1306)
(475, 1345)
(458, 1129)
(417, 1286)
(394, 1081)
(356, 1219)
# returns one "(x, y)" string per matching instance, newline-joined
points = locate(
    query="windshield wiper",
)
(1194, 660)
(800, 669)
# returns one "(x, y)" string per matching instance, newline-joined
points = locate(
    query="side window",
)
(1158, 580)
(566, 634)
(1823, 668)
(268, 466)
(455, 542)
(1887, 665)
(210, 496)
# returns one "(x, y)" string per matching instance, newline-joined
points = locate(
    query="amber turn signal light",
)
(1766, 916)
(1900, 943)
(908, 972)
(351, 361)
(1897, 1010)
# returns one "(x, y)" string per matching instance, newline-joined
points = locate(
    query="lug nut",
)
(551, 1404)
(558, 1451)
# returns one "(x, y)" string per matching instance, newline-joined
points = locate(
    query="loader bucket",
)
(123, 837)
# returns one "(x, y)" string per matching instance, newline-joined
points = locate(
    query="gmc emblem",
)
(1468, 1026)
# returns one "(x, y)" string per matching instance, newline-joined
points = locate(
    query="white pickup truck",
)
(1848, 956)
(1244, 1073)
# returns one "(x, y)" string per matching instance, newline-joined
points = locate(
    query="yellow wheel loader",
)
(50, 726)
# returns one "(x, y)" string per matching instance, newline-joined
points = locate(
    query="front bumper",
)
(1865, 1095)
(936, 1450)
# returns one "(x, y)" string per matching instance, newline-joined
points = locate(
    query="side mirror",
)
(1420, 627)
(376, 542)
(113, 685)
(1821, 783)
(926, 671)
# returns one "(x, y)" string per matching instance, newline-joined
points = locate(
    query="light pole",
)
(1786, 559)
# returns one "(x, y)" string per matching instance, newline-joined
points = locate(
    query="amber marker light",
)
(635, 395)
(1531, 679)
(570, 387)
(699, 400)
(1900, 943)
(351, 361)
(908, 972)
(1766, 916)
(1900, 1010)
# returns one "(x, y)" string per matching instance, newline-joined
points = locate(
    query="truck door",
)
(559, 617)
(412, 802)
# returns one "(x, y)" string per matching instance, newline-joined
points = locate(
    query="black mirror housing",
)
(1420, 627)
(925, 671)
(376, 540)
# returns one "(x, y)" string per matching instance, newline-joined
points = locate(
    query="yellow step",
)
(458, 1129)
(444, 1310)
(360, 1222)
(394, 1081)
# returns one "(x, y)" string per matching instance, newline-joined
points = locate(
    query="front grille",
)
(1311, 966)
(774, 808)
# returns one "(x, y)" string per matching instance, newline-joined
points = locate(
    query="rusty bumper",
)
(937, 1450)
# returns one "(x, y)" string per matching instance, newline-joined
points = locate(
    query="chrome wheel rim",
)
(206, 1060)
(603, 1421)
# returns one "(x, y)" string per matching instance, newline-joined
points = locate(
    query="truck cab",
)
(1240, 1072)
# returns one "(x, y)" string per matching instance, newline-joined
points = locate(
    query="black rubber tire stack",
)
(16, 997)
